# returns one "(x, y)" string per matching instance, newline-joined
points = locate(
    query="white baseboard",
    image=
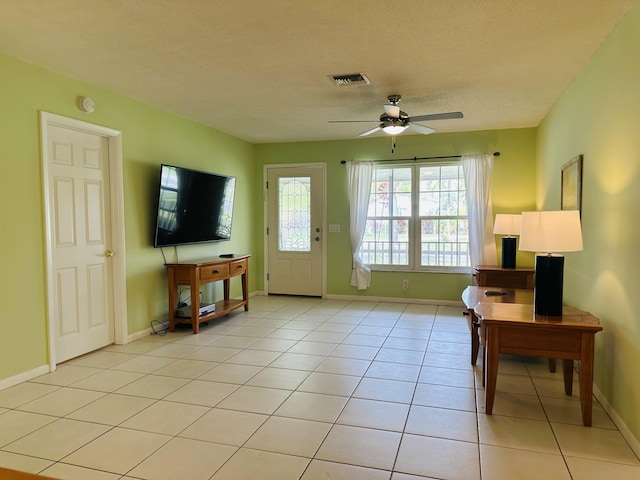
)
(24, 376)
(624, 430)
(145, 333)
(421, 301)
(138, 335)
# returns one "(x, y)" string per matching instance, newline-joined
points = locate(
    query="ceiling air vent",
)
(350, 79)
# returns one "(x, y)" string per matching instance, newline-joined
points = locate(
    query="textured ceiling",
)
(259, 69)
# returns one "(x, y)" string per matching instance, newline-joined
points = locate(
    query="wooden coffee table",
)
(515, 329)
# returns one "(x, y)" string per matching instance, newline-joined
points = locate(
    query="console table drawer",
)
(493, 276)
(237, 267)
(214, 272)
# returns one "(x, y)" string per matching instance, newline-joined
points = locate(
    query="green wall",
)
(513, 190)
(150, 137)
(599, 116)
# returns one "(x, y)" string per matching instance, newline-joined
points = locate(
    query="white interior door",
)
(295, 230)
(80, 241)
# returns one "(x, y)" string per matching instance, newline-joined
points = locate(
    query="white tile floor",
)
(308, 389)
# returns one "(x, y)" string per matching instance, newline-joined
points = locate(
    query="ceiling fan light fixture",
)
(394, 129)
(394, 121)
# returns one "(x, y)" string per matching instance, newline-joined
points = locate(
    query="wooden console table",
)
(513, 328)
(198, 272)
(492, 275)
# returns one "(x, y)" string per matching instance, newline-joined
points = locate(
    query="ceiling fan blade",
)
(369, 132)
(421, 128)
(392, 111)
(436, 116)
(354, 121)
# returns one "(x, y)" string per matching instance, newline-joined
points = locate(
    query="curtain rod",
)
(342, 162)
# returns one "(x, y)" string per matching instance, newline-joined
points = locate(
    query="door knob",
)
(109, 253)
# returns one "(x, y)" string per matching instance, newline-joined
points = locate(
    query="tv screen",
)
(193, 207)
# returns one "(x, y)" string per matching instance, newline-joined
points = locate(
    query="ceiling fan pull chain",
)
(393, 143)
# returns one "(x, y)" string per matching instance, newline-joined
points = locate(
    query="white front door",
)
(295, 230)
(80, 246)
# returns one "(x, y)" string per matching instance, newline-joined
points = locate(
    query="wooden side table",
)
(494, 276)
(515, 329)
(473, 295)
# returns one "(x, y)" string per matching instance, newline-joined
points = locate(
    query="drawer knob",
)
(216, 271)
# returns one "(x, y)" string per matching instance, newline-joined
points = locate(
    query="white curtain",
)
(477, 177)
(359, 177)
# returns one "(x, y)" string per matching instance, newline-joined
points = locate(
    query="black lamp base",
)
(548, 285)
(508, 252)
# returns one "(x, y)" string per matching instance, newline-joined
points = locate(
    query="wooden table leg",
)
(245, 290)
(492, 356)
(483, 336)
(173, 299)
(567, 372)
(475, 337)
(484, 368)
(226, 288)
(586, 377)
(194, 281)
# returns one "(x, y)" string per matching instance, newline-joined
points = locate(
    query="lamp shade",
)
(507, 224)
(555, 231)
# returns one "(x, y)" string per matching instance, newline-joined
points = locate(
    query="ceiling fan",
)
(394, 121)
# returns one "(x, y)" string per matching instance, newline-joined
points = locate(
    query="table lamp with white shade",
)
(509, 225)
(549, 233)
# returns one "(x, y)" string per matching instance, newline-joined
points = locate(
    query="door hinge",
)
(267, 230)
(266, 185)
(267, 277)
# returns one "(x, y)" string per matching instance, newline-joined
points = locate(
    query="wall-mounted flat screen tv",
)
(193, 207)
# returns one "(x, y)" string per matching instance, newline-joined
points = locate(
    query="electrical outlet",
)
(405, 284)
